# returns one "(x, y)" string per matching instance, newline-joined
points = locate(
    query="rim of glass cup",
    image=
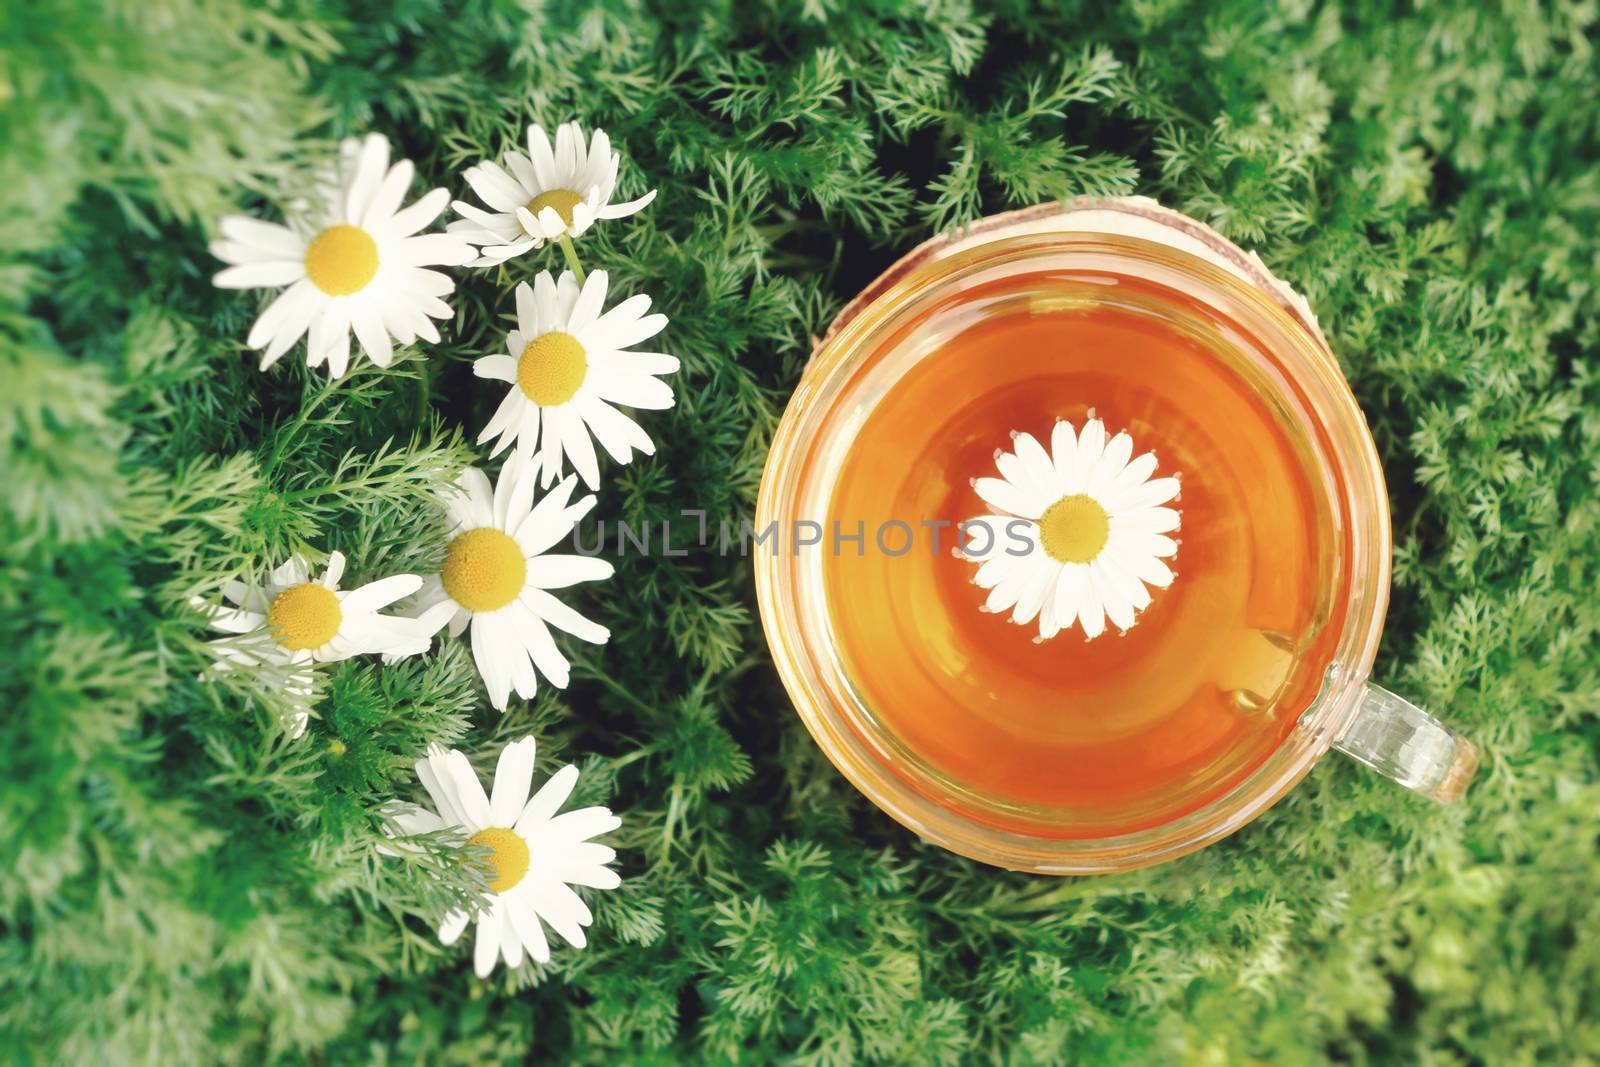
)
(809, 673)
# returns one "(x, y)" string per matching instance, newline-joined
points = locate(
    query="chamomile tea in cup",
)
(1080, 547)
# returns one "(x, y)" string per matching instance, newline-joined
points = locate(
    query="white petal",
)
(329, 330)
(293, 571)
(1040, 583)
(554, 904)
(1152, 571)
(468, 790)
(381, 593)
(391, 192)
(549, 222)
(337, 355)
(631, 333)
(1019, 473)
(368, 326)
(550, 521)
(1072, 593)
(1048, 626)
(573, 826)
(1146, 544)
(591, 298)
(370, 167)
(475, 503)
(567, 138)
(421, 282)
(489, 654)
(430, 250)
(1122, 579)
(611, 428)
(528, 321)
(486, 950)
(529, 930)
(582, 865)
(1036, 461)
(508, 417)
(513, 495)
(495, 187)
(542, 158)
(510, 938)
(1118, 605)
(1150, 494)
(1145, 520)
(568, 425)
(634, 362)
(440, 791)
(274, 239)
(1112, 462)
(1091, 445)
(562, 571)
(233, 622)
(536, 644)
(1091, 610)
(412, 820)
(1005, 593)
(562, 617)
(409, 220)
(295, 304)
(451, 926)
(260, 275)
(1137, 470)
(522, 173)
(475, 221)
(1063, 457)
(524, 677)
(541, 808)
(634, 390)
(1003, 496)
(619, 211)
(996, 569)
(512, 777)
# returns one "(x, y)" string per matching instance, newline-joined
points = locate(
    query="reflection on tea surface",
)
(1074, 737)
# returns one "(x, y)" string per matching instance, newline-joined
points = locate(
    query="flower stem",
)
(572, 257)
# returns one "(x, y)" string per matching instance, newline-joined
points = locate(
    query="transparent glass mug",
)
(876, 338)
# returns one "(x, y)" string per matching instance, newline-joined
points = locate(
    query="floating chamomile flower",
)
(547, 195)
(354, 262)
(567, 365)
(535, 855)
(497, 576)
(1094, 524)
(294, 621)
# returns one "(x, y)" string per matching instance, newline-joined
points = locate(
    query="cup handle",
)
(1401, 741)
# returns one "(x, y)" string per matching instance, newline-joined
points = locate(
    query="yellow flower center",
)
(341, 260)
(304, 616)
(508, 856)
(552, 368)
(1074, 529)
(484, 569)
(563, 200)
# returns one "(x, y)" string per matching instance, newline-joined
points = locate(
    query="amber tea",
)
(1122, 717)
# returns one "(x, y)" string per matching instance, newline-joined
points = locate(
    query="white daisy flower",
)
(535, 855)
(294, 621)
(567, 366)
(354, 262)
(547, 194)
(1094, 526)
(497, 575)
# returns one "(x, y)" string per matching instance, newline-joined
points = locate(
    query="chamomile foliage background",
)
(185, 885)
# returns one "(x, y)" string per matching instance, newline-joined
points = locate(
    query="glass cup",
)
(886, 330)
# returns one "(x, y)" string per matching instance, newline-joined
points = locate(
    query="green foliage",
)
(184, 884)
